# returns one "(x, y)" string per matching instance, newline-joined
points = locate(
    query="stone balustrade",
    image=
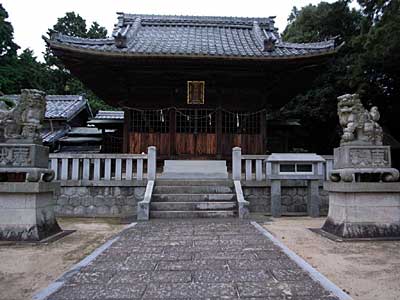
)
(102, 185)
(101, 166)
(254, 166)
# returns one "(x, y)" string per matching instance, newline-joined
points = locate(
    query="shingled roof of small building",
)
(63, 107)
(194, 36)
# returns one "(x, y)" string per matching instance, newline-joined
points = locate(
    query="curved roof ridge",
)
(80, 40)
(264, 21)
(314, 45)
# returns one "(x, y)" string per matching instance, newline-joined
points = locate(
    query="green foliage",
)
(317, 23)
(7, 46)
(368, 63)
(96, 31)
(8, 103)
(25, 71)
(74, 25)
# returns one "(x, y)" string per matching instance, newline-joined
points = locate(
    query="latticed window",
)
(241, 123)
(195, 121)
(150, 121)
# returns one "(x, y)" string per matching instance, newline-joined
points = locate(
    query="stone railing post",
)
(236, 163)
(151, 163)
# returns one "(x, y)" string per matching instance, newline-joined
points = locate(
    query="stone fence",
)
(102, 185)
(111, 185)
(253, 173)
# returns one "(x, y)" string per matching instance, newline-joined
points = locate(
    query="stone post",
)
(151, 163)
(236, 163)
(313, 198)
(276, 207)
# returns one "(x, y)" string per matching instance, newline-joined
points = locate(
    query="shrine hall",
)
(195, 86)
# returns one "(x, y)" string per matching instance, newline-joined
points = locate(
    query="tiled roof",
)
(109, 115)
(60, 106)
(189, 36)
(49, 136)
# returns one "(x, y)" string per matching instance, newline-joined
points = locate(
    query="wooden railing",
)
(97, 167)
(255, 167)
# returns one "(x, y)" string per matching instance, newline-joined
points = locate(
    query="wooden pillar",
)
(263, 131)
(127, 126)
(218, 131)
(172, 132)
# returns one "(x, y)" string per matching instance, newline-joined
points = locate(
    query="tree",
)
(316, 107)
(376, 71)
(74, 25)
(7, 46)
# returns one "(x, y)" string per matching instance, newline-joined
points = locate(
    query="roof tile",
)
(195, 36)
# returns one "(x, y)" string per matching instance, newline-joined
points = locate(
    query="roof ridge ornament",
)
(267, 43)
(126, 34)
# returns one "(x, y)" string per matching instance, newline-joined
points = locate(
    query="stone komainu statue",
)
(361, 155)
(23, 122)
(359, 125)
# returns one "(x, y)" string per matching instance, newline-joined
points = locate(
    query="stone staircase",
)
(193, 199)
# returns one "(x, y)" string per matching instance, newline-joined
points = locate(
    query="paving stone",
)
(91, 278)
(139, 265)
(192, 259)
(225, 255)
(191, 290)
(161, 256)
(131, 277)
(288, 274)
(76, 292)
(207, 264)
(231, 276)
(121, 291)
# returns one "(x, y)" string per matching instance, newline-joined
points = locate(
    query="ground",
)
(366, 270)
(191, 259)
(25, 270)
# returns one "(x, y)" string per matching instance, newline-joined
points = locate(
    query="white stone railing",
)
(254, 166)
(104, 167)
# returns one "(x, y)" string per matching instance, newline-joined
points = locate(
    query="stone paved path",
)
(193, 259)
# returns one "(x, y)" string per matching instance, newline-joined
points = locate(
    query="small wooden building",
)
(194, 86)
(62, 113)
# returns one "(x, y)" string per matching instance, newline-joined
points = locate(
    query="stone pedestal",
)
(363, 209)
(27, 211)
(30, 159)
(353, 161)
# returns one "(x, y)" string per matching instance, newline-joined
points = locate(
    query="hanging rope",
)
(238, 115)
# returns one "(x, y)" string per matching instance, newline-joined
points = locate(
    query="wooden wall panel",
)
(202, 144)
(138, 142)
(250, 143)
(185, 143)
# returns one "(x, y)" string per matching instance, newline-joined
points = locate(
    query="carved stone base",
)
(27, 211)
(23, 156)
(357, 161)
(363, 210)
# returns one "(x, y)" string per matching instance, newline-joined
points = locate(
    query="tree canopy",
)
(367, 63)
(18, 71)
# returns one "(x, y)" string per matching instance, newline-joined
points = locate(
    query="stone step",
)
(192, 197)
(192, 206)
(194, 175)
(196, 182)
(193, 214)
(195, 169)
(192, 189)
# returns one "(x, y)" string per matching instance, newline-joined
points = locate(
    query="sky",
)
(32, 18)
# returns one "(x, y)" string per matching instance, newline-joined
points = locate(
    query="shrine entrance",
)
(188, 133)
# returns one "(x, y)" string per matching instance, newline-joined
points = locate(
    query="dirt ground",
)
(26, 269)
(366, 270)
